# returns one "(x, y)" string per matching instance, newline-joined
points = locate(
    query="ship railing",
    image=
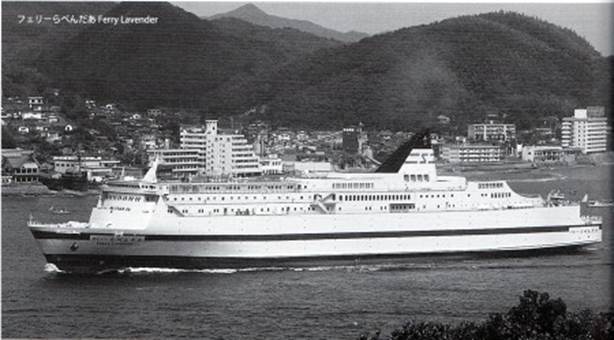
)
(66, 225)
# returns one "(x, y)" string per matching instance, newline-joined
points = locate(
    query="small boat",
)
(600, 204)
(59, 211)
(556, 195)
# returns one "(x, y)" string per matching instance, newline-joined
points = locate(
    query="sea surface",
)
(318, 302)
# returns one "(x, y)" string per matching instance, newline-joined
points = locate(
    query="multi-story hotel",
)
(491, 132)
(586, 130)
(206, 150)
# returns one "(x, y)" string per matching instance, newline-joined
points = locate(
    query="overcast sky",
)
(591, 21)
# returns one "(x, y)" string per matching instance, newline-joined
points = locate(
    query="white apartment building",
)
(220, 154)
(586, 130)
(491, 132)
(181, 162)
(193, 138)
(472, 153)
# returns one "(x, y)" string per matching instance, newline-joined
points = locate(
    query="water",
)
(320, 302)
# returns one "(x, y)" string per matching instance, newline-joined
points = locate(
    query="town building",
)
(19, 166)
(32, 116)
(96, 168)
(353, 139)
(586, 130)
(307, 167)
(491, 132)
(220, 153)
(154, 112)
(472, 153)
(548, 154)
(90, 103)
(180, 162)
(35, 103)
(271, 165)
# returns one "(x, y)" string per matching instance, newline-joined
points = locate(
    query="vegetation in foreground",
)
(535, 317)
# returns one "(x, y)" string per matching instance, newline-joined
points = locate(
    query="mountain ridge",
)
(463, 67)
(252, 14)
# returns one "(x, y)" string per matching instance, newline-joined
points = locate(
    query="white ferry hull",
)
(246, 241)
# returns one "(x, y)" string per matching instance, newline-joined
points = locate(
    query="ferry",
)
(402, 209)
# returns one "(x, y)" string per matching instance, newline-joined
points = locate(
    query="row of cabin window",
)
(374, 197)
(393, 207)
(183, 188)
(416, 178)
(402, 206)
(341, 197)
(222, 198)
(500, 194)
(438, 196)
(123, 198)
(352, 185)
(246, 211)
(490, 185)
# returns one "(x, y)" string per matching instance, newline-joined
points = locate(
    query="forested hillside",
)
(464, 68)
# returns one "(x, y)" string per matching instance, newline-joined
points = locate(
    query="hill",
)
(175, 62)
(464, 68)
(256, 16)
(23, 43)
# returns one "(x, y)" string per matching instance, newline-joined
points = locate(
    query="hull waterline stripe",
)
(38, 234)
(94, 263)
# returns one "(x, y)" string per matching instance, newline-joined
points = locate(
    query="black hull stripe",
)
(96, 263)
(316, 236)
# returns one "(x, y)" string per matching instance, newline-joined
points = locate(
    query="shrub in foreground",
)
(536, 317)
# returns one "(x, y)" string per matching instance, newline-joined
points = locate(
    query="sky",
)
(593, 21)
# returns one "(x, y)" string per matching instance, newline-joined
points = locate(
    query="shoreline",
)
(39, 190)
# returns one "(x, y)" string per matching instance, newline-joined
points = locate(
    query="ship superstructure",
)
(405, 208)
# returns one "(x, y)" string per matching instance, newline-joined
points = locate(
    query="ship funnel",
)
(393, 164)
